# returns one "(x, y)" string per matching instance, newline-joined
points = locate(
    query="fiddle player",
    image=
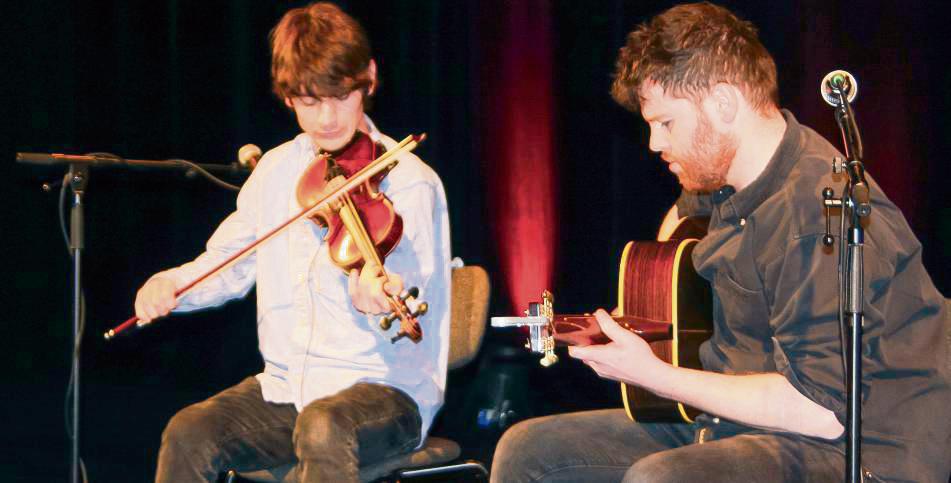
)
(335, 393)
(772, 388)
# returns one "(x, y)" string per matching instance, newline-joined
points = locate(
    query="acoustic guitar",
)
(660, 297)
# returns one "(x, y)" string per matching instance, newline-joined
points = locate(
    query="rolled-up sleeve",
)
(806, 334)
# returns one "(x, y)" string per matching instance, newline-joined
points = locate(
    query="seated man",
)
(772, 387)
(335, 393)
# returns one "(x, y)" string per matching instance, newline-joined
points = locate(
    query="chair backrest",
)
(470, 310)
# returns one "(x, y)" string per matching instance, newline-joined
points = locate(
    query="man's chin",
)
(687, 184)
(697, 187)
(331, 144)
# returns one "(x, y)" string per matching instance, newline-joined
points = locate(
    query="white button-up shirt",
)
(314, 343)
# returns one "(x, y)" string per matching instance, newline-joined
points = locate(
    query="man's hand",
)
(765, 400)
(627, 358)
(155, 299)
(369, 289)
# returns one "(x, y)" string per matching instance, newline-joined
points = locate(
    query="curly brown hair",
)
(688, 49)
(319, 51)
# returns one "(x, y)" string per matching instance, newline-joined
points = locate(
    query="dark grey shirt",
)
(776, 306)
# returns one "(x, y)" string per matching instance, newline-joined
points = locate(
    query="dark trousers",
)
(237, 429)
(605, 446)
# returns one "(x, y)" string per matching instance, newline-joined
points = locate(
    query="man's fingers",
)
(353, 288)
(352, 282)
(582, 353)
(394, 284)
(609, 326)
(370, 271)
(140, 311)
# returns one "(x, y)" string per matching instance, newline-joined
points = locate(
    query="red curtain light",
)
(517, 96)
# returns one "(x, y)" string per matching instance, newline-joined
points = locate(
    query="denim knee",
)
(192, 428)
(515, 456)
(320, 427)
(655, 468)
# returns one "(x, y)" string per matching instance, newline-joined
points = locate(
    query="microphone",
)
(249, 155)
(835, 87)
(838, 80)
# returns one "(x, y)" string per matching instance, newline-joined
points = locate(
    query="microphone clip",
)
(828, 202)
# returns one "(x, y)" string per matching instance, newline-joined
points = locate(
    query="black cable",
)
(61, 212)
(843, 330)
(206, 174)
(184, 162)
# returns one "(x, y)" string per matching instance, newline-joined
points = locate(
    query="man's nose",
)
(658, 142)
(327, 116)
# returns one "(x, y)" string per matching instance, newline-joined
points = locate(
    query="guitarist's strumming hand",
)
(627, 358)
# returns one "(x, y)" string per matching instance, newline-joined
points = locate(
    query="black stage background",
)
(172, 78)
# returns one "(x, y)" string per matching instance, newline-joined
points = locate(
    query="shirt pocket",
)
(743, 319)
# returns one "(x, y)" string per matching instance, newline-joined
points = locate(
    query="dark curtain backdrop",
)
(546, 177)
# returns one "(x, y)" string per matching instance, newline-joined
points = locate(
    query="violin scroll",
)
(387, 321)
(409, 325)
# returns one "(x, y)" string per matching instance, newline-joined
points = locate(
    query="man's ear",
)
(371, 70)
(724, 102)
(288, 103)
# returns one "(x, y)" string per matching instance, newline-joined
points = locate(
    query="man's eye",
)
(666, 124)
(307, 100)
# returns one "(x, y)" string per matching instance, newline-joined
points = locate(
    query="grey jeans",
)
(238, 429)
(605, 446)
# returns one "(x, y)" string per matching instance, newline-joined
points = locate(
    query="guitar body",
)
(661, 298)
(657, 281)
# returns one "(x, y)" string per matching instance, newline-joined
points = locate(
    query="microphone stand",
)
(78, 181)
(856, 204)
(78, 178)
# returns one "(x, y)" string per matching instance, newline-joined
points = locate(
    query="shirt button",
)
(742, 221)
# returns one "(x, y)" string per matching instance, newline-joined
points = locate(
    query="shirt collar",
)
(739, 204)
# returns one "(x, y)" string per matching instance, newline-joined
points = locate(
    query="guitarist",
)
(772, 386)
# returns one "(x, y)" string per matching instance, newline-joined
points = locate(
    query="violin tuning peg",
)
(421, 309)
(411, 293)
(387, 321)
(548, 360)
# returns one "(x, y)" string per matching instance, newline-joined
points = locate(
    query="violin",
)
(335, 203)
(362, 226)
(363, 207)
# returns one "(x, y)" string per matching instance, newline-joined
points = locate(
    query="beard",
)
(705, 165)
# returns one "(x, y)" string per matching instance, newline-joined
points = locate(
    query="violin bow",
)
(379, 164)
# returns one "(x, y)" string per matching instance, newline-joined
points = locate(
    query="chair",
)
(470, 306)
